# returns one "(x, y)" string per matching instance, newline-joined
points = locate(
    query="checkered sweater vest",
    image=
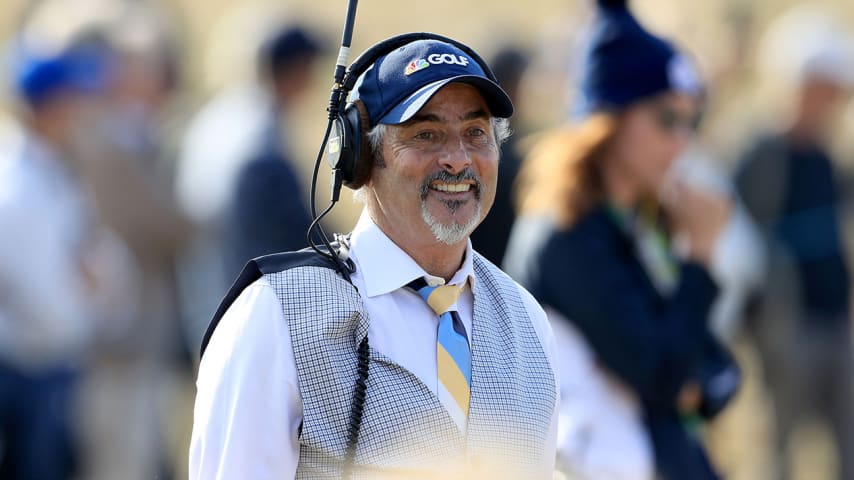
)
(405, 431)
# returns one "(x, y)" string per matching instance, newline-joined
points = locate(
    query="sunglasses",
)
(673, 121)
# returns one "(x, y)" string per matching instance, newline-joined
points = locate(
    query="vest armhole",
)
(255, 269)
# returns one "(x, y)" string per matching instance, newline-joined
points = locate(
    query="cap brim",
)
(496, 99)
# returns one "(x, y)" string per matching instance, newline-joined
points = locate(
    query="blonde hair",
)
(562, 176)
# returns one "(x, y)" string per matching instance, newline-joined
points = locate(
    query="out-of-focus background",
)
(152, 125)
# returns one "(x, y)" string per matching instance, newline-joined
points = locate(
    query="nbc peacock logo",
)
(415, 66)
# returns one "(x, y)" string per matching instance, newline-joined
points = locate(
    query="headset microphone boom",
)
(337, 100)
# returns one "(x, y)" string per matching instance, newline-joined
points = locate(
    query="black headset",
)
(344, 142)
(345, 147)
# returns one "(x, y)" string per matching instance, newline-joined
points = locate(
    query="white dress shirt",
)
(248, 405)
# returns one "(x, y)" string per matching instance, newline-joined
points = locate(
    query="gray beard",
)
(453, 233)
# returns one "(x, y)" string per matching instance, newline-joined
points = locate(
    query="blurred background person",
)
(268, 211)
(139, 365)
(237, 177)
(622, 263)
(53, 251)
(787, 177)
(490, 238)
(136, 364)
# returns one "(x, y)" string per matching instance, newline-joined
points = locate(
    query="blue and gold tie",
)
(453, 356)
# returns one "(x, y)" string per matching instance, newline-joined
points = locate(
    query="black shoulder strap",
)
(258, 267)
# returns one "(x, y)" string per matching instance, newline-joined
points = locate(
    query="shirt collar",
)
(386, 267)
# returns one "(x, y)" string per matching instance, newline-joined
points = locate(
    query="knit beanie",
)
(622, 63)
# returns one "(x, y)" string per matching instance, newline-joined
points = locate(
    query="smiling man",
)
(460, 377)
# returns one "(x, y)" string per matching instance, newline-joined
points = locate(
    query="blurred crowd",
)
(126, 210)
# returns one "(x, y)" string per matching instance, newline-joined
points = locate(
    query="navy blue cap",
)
(623, 63)
(287, 45)
(400, 83)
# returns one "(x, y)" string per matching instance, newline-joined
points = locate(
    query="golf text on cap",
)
(435, 59)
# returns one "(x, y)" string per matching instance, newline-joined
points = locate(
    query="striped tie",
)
(452, 349)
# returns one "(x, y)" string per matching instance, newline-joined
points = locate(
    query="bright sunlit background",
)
(216, 40)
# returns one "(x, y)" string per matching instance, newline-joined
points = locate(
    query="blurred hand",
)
(698, 217)
(689, 399)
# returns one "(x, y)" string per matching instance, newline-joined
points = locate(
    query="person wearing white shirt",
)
(49, 248)
(276, 383)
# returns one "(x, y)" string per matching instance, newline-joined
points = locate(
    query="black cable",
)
(315, 225)
(315, 173)
(330, 252)
(357, 408)
(344, 266)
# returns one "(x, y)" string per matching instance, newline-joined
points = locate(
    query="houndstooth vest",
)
(405, 431)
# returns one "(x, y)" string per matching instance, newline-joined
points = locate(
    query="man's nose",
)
(455, 156)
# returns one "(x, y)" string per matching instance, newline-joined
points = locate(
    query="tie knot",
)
(440, 297)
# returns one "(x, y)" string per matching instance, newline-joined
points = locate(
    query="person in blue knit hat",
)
(623, 63)
(623, 258)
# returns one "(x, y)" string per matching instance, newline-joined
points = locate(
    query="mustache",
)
(445, 177)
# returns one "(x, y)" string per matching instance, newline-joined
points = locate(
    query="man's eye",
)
(425, 135)
(477, 132)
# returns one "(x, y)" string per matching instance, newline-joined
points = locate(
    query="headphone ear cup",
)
(342, 149)
(357, 117)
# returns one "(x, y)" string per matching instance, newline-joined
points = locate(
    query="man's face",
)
(440, 171)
